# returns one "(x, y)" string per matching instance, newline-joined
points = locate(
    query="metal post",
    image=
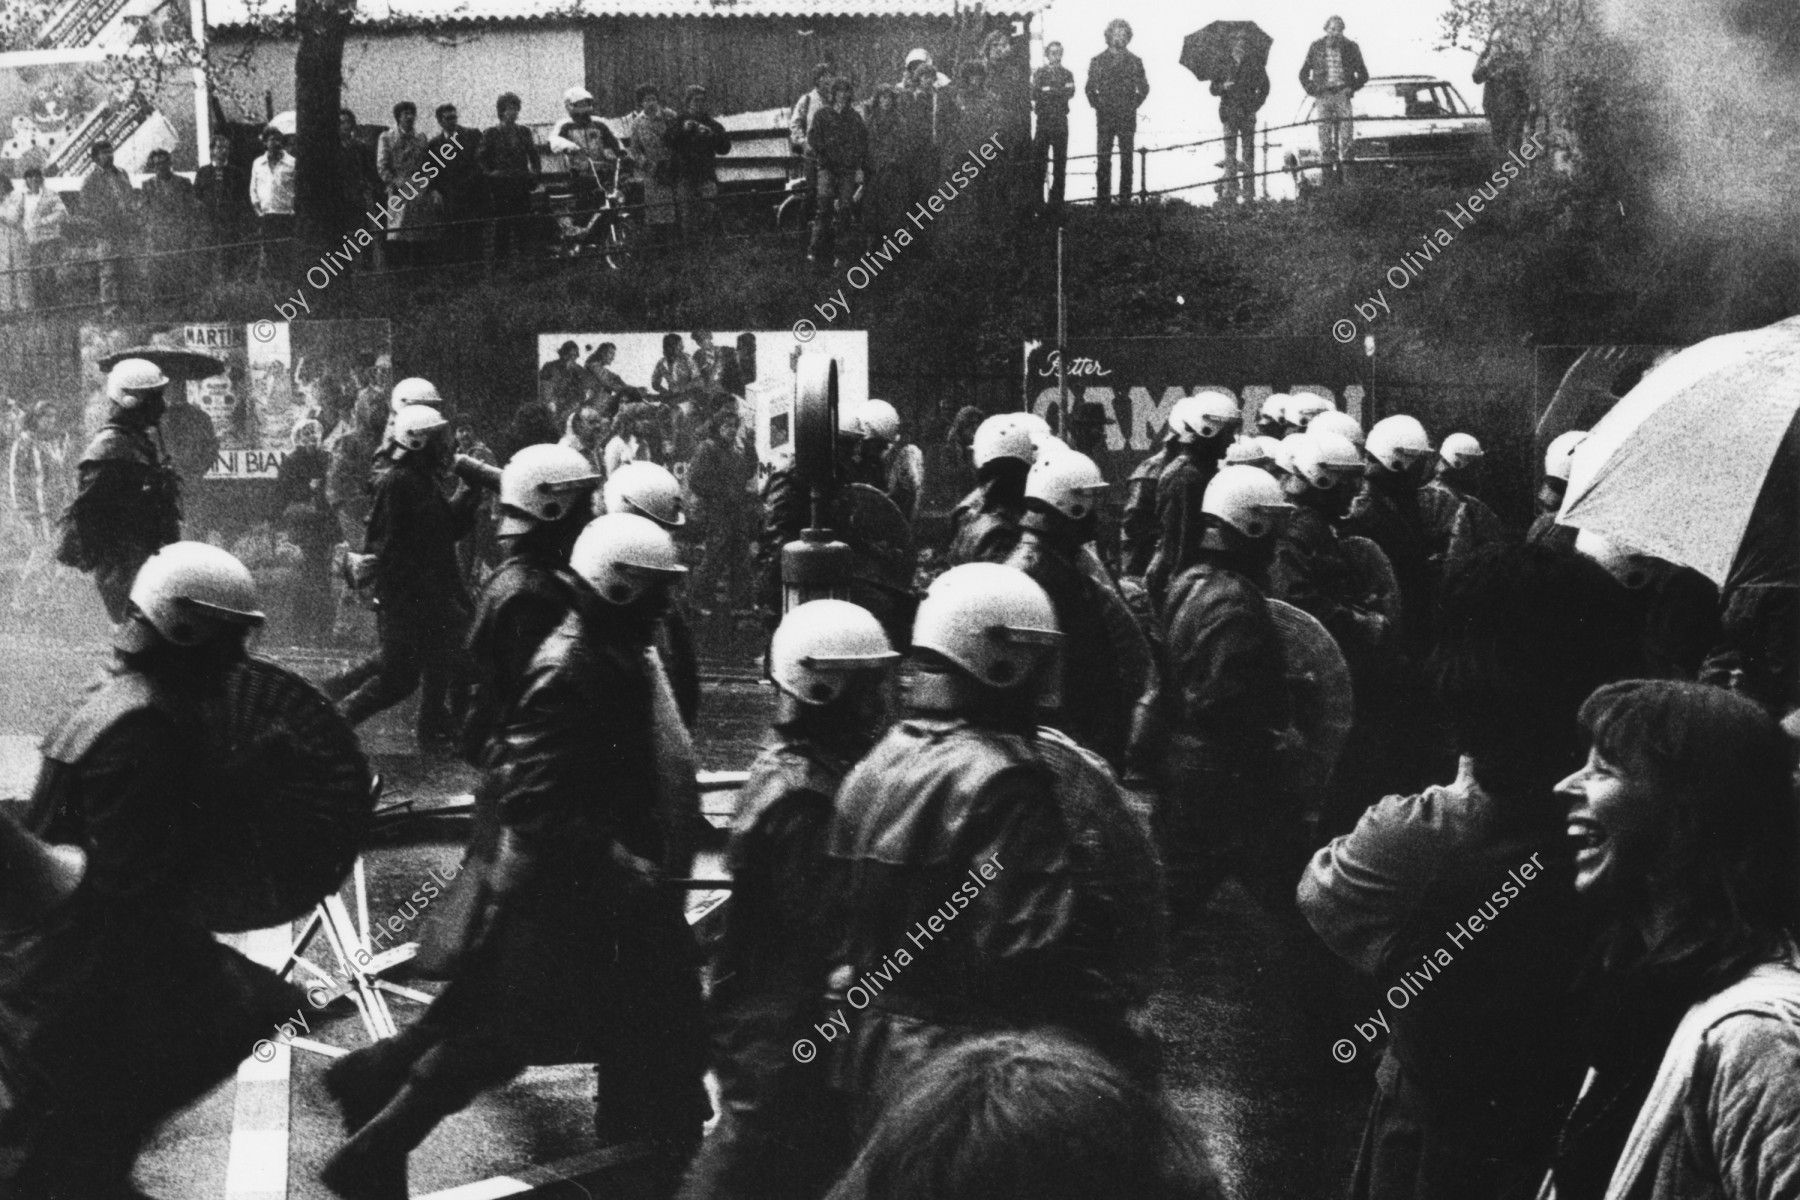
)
(1144, 175)
(1062, 338)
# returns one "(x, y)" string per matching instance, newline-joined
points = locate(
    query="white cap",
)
(577, 95)
(1397, 441)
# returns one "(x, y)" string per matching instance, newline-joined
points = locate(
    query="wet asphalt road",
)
(1248, 1011)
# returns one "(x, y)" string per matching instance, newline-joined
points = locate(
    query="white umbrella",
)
(1678, 467)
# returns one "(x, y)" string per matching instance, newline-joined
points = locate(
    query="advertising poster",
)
(74, 72)
(764, 364)
(276, 374)
(1136, 381)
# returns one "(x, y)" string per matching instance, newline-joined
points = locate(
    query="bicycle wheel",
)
(790, 214)
(615, 243)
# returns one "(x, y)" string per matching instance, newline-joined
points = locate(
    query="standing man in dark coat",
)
(1225, 813)
(509, 160)
(461, 184)
(121, 1007)
(1505, 78)
(781, 1132)
(1241, 95)
(837, 149)
(223, 189)
(695, 143)
(127, 500)
(424, 608)
(1116, 87)
(1332, 74)
(1052, 87)
(992, 875)
(358, 180)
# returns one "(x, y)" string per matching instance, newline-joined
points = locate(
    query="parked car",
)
(1413, 125)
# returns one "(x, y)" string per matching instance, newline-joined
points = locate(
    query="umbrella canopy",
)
(1698, 463)
(178, 364)
(1207, 53)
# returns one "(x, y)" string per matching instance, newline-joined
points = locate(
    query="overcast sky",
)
(1398, 37)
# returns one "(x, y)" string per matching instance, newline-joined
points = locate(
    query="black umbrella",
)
(1208, 53)
(178, 364)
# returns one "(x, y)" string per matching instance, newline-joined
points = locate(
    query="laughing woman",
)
(1688, 846)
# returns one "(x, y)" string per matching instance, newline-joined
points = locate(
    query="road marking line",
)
(258, 1166)
(532, 1178)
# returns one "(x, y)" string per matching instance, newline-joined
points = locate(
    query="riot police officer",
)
(92, 1060)
(781, 1133)
(984, 527)
(1224, 809)
(1110, 687)
(649, 490)
(1387, 513)
(423, 607)
(992, 874)
(127, 500)
(1204, 425)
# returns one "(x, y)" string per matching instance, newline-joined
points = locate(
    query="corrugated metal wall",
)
(756, 63)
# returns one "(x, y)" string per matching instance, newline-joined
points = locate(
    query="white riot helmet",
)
(1247, 499)
(879, 420)
(1325, 459)
(1460, 451)
(1625, 564)
(849, 420)
(131, 379)
(623, 555)
(1003, 436)
(1302, 407)
(1341, 423)
(648, 490)
(190, 591)
(1067, 481)
(543, 484)
(1560, 457)
(1250, 452)
(819, 646)
(1398, 442)
(1284, 451)
(1206, 415)
(414, 391)
(1036, 427)
(1275, 407)
(993, 621)
(414, 425)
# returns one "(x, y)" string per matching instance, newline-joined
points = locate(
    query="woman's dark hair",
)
(507, 99)
(405, 106)
(888, 92)
(840, 84)
(344, 112)
(671, 344)
(822, 72)
(1027, 1116)
(648, 89)
(1525, 633)
(1721, 771)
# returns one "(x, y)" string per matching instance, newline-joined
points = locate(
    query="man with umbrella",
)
(1241, 88)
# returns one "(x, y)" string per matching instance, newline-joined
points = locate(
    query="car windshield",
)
(1431, 98)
